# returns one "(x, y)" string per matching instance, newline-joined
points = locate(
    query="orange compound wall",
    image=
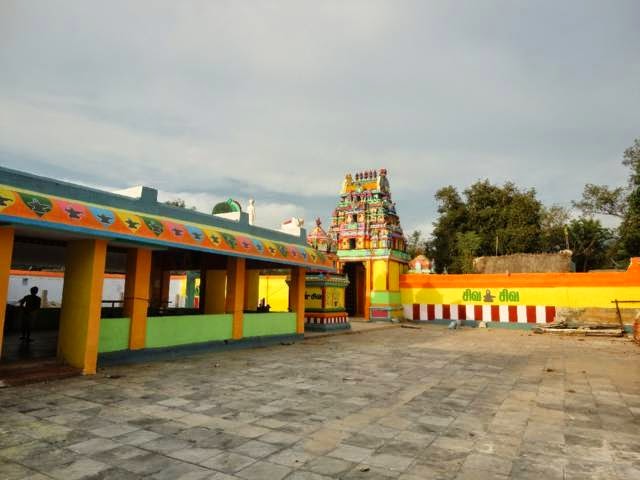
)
(515, 297)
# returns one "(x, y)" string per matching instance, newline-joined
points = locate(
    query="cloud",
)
(279, 100)
(268, 214)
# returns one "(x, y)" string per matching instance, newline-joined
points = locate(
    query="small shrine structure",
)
(324, 293)
(420, 264)
(370, 245)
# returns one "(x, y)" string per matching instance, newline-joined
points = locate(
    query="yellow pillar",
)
(252, 290)
(235, 293)
(296, 296)
(215, 291)
(6, 253)
(136, 295)
(368, 281)
(82, 303)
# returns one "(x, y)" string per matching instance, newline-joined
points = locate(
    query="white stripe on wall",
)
(522, 313)
(471, 312)
(504, 313)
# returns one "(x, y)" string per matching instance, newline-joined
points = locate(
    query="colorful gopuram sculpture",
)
(370, 246)
(324, 293)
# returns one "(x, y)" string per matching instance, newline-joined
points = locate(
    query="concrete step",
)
(34, 371)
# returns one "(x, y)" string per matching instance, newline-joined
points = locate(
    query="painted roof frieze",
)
(25, 207)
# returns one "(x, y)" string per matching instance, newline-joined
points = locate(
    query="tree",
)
(620, 202)
(467, 245)
(180, 203)
(553, 228)
(630, 227)
(452, 210)
(602, 200)
(588, 241)
(510, 215)
(497, 215)
(415, 244)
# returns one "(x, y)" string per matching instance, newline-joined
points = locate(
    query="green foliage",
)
(178, 202)
(489, 215)
(553, 228)
(510, 214)
(588, 240)
(600, 199)
(621, 202)
(415, 244)
(489, 219)
(630, 227)
(631, 159)
(467, 245)
(452, 219)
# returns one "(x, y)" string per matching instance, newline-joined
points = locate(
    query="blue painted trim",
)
(149, 242)
(171, 353)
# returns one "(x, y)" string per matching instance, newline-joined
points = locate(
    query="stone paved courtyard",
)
(400, 403)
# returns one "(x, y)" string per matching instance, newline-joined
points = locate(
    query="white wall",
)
(19, 285)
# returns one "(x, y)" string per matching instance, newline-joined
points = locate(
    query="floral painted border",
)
(51, 211)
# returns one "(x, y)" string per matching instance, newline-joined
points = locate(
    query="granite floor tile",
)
(404, 403)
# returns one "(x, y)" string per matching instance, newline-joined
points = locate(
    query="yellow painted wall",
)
(380, 272)
(252, 290)
(275, 290)
(216, 291)
(335, 297)
(394, 276)
(313, 297)
(562, 296)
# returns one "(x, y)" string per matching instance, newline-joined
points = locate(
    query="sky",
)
(278, 100)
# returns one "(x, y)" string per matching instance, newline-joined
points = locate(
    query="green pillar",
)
(191, 288)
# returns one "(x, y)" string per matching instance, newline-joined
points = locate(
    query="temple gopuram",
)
(370, 245)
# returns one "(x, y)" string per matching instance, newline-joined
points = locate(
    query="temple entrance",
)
(355, 293)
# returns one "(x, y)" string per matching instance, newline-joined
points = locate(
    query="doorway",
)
(355, 293)
(37, 267)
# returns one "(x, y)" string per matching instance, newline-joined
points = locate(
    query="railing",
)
(618, 302)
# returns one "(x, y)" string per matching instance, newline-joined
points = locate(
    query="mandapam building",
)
(88, 233)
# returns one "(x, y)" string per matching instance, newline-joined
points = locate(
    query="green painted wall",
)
(114, 334)
(182, 330)
(385, 298)
(265, 324)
